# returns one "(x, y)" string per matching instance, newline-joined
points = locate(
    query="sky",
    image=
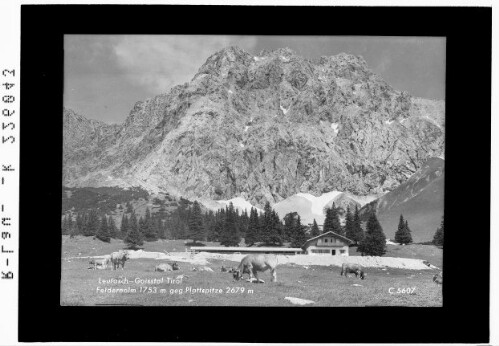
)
(105, 75)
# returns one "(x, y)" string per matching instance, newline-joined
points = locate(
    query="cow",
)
(438, 278)
(118, 258)
(99, 263)
(163, 267)
(175, 266)
(254, 263)
(352, 268)
(224, 270)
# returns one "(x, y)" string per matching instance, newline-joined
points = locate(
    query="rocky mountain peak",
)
(264, 128)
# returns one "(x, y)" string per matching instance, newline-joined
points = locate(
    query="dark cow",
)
(175, 266)
(118, 258)
(353, 268)
(438, 278)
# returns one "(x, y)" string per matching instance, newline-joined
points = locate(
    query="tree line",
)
(228, 227)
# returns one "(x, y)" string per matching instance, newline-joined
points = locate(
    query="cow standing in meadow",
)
(438, 278)
(99, 263)
(118, 258)
(352, 268)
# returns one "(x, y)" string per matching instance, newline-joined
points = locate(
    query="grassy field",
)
(323, 285)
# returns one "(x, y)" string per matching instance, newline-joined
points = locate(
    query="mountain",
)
(420, 200)
(262, 128)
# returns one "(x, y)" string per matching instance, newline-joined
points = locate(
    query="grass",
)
(323, 285)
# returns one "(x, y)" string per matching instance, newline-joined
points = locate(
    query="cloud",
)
(161, 62)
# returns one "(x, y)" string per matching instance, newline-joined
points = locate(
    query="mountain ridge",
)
(262, 128)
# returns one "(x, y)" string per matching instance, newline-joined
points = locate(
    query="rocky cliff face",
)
(263, 128)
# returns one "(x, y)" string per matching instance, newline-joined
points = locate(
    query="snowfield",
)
(239, 203)
(334, 126)
(318, 203)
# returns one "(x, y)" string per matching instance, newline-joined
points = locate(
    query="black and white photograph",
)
(247, 173)
(223, 170)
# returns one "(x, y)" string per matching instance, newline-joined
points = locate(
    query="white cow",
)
(252, 264)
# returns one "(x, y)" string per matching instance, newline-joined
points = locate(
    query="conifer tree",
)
(332, 221)
(79, 224)
(252, 232)
(438, 238)
(134, 238)
(243, 223)
(271, 226)
(403, 233)
(315, 231)
(349, 224)
(103, 232)
(158, 227)
(148, 229)
(299, 237)
(142, 228)
(70, 223)
(408, 233)
(124, 226)
(93, 223)
(64, 225)
(289, 226)
(75, 230)
(84, 229)
(147, 222)
(196, 226)
(219, 225)
(261, 228)
(357, 233)
(129, 208)
(133, 223)
(113, 231)
(229, 235)
(374, 242)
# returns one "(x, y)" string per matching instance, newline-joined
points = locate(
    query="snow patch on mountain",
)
(335, 126)
(284, 110)
(239, 203)
(318, 203)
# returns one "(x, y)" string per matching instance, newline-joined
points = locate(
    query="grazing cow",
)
(163, 267)
(224, 270)
(99, 263)
(438, 278)
(118, 258)
(352, 268)
(175, 266)
(252, 264)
